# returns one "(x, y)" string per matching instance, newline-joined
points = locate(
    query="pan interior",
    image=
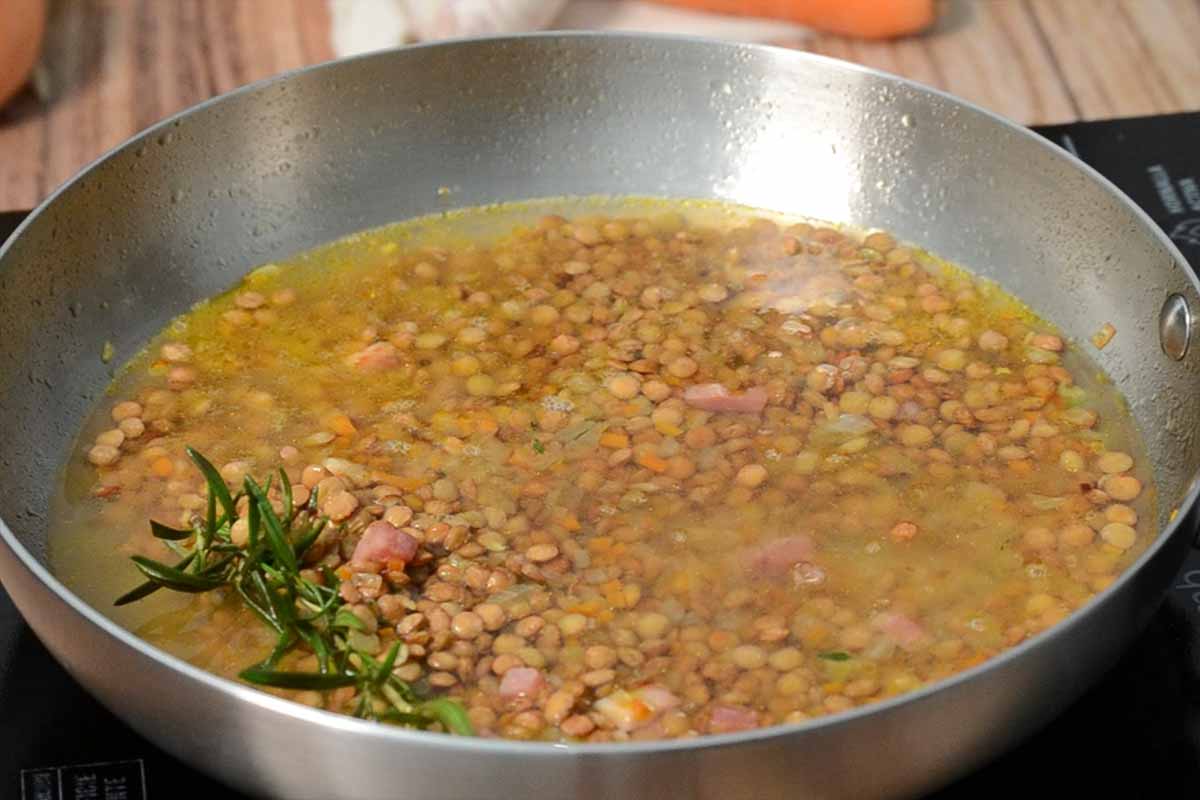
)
(183, 211)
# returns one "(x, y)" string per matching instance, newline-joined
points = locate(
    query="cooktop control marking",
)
(106, 780)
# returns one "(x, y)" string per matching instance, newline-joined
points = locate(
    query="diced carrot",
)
(814, 634)
(614, 440)
(589, 608)
(522, 457)
(681, 582)
(640, 710)
(343, 572)
(162, 467)
(1021, 466)
(600, 544)
(721, 640)
(409, 484)
(614, 593)
(652, 462)
(1102, 337)
(866, 19)
(485, 423)
(972, 661)
(569, 521)
(342, 425)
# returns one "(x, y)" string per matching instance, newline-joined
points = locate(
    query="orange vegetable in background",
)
(22, 23)
(864, 19)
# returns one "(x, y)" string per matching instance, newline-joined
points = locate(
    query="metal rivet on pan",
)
(1175, 327)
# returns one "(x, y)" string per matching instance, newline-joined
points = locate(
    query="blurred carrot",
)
(20, 42)
(864, 19)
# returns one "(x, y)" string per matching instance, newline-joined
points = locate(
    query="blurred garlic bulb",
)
(360, 26)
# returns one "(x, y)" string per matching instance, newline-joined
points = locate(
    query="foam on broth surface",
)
(673, 467)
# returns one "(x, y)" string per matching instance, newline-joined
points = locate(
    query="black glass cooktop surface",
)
(1136, 733)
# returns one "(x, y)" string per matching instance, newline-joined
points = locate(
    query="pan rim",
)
(403, 736)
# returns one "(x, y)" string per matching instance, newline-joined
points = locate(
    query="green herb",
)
(538, 447)
(107, 352)
(266, 575)
(835, 655)
(584, 432)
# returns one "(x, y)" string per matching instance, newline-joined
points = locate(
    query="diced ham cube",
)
(521, 682)
(775, 559)
(727, 719)
(658, 698)
(901, 629)
(375, 357)
(382, 543)
(715, 397)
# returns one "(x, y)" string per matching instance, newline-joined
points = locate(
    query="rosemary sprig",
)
(266, 575)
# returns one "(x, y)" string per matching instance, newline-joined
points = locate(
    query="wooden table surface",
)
(113, 67)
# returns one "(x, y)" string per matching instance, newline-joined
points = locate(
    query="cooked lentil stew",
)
(653, 470)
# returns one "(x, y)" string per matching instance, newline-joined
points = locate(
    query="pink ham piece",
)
(375, 357)
(715, 397)
(775, 559)
(521, 682)
(901, 629)
(382, 543)
(727, 719)
(658, 698)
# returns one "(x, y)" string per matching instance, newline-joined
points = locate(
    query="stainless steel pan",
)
(182, 210)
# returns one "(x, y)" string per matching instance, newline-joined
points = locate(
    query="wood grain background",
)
(112, 67)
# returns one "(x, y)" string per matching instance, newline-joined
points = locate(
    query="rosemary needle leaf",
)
(310, 681)
(253, 524)
(389, 661)
(452, 715)
(161, 531)
(347, 619)
(137, 593)
(307, 539)
(174, 578)
(285, 485)
(149, 587)
(281, 548)
(216, 484)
